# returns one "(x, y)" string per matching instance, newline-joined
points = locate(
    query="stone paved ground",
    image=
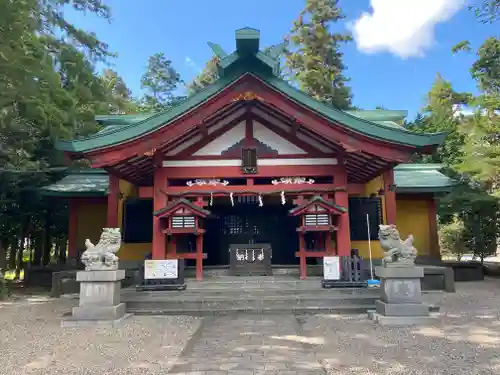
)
(465, 339)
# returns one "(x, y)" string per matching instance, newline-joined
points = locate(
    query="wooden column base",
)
(199, 257)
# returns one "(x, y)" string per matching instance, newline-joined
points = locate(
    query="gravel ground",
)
(32, 341)
(464, 339)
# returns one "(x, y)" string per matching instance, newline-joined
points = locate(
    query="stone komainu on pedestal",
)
(100, 283)
(102, 256)
(395, 250)
(400, 300)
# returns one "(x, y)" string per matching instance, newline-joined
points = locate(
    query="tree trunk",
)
(3, 254)
(61, 249)
(14, 246)
(38, 249)
(13, 252)
(47, 240)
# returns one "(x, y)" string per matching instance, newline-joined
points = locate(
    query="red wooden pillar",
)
(113, 201)
(433, 230)
(302, 256)
(159, 202)
(73, 228)
(199, 257)
(342, 199)
(390, 197)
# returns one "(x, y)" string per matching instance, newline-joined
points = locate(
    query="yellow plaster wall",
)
(91, 219)
(130, 251)
(412, 217)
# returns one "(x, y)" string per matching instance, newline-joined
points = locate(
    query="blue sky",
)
(396, 56)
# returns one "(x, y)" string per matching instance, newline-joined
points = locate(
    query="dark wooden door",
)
(251, 224)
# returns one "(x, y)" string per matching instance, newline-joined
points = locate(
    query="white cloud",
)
(191, 64)
(402, 27)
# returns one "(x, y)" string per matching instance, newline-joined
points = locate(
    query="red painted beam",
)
(250, 189)
(263, 171)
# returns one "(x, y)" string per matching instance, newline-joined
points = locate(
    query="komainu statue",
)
(396, 251)
(102, 256)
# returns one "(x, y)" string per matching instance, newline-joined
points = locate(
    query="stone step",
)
(244, 294)
(248, 293)
(299, 310)
(246, 302)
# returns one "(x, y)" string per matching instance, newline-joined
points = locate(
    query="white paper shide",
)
(331, 268)
(161, 269)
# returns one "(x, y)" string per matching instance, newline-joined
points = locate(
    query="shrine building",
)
(251, 159)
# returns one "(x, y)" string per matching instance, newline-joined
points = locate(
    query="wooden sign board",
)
(161, 269)
(331, 268)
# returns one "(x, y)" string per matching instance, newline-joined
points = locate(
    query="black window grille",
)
(358, 209)
(137, 221)
(249, 160)
(314, 220)
(183, 222)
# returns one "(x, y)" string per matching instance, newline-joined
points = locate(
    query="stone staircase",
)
(266, 294)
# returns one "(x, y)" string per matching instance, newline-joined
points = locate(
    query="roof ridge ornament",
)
(247, 96)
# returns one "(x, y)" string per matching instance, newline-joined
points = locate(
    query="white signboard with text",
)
(331, 268)
(161, 269)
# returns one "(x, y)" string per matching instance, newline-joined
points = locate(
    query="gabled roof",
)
(247, 59)
(172, 206)
(317, 200)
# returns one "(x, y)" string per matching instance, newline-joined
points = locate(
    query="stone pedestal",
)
(400, 296)
(99, 299)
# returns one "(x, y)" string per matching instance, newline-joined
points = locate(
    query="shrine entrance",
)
(248, 223)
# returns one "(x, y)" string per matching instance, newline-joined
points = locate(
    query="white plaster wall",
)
(274, 141)
(223, 142)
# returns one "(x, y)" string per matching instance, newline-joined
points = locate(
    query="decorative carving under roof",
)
(208, 182)
(293, 181)
(247, 95)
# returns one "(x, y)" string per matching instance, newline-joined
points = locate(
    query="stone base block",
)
(159, 287)
(95, 312)
(328, 284)
(401, 309)
(399, 320)
(399, 272)
(103, 276)
(72, 322)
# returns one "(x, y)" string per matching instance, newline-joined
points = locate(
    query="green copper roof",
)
(85, 183)
(247, 59)
(409, 178)
(421, 178)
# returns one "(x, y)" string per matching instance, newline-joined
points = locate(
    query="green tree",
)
(160, 81)
(313, 58)
(48, 90)
(119, 96)
(488, 11)
(441, 114)
(208, 75)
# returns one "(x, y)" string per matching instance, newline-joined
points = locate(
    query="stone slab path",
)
(248, 345)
